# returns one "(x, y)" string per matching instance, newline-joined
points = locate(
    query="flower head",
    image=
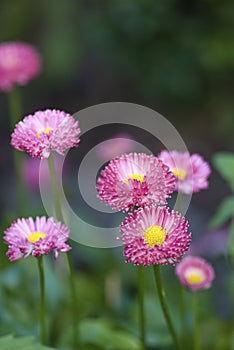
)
(121, 143)
(135, 179)
(191, 171)
(195, 273)
(45, 132)
(39, 237)
(154, 235)
(19, 63)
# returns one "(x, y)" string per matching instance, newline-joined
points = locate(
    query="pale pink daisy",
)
(39, 237)
(154, 235)
(191, 171)
(19, 63)
(44, 132)
(119, 144)
(133, 180)
(195, 273)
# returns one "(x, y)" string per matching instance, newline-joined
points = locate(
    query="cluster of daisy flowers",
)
(140, 184)
(39, 135)
(136, 183)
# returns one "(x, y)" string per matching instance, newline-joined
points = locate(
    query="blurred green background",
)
(172, 55)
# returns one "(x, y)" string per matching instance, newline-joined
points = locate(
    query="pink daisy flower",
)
(135, 179)
(154, 235)
(195, 273)
(39, 237)
(191, 171)
(19, 63)
(44, 132)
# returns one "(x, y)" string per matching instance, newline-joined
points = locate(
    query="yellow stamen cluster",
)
(138, 177)
(181, 174)
(45, 131)
(194, 278)
(35, 236)
(154, 235)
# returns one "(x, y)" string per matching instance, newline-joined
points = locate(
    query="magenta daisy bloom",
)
(44, 132)
(154, 235)
(195, 273)
(191, 171)
(39, 237)
(19, 63)
(135, 179)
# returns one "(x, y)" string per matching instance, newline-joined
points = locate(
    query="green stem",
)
(59, 216)
(14, 107)
(141, 305)
(196, 341)
(15, 114)
(74, 304)
(162, 298)
(181, 290)
(184, 326)
(42, 308)
(57, 206)
(178, 202)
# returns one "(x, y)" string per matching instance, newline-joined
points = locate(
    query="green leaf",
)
(102, 333)
(9, 342)
(224, 163)
(224, 212)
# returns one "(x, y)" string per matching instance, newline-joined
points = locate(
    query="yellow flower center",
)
(154, 235)
(35, 236)
(194, 278)
(138, 177)
(181, 174)
(44, 131)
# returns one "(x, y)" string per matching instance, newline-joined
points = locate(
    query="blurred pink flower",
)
(19, 63)
(135, 179)
(121, 143)
(39, 237)
(154, 235)
(211, 243)
(191, 171)
(195, 273)
(44, 132)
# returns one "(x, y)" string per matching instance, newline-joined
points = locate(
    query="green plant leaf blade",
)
(224, 212)
(9, 342)
(224, 163)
